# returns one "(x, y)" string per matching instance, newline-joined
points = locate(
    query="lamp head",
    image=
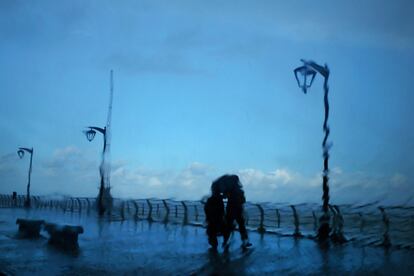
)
(20, 153)
(90, 134)
(307, 75)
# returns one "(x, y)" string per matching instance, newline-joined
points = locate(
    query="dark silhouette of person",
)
(214, 211)
(232, 189)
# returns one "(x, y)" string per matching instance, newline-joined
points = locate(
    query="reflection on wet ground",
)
(129, 247)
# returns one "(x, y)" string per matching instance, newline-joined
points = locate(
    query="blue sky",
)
(204, 88)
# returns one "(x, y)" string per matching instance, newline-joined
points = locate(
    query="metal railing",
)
(370, 224)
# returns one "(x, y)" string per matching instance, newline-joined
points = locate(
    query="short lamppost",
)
(20, 152)
(308, 71)
(104, 201)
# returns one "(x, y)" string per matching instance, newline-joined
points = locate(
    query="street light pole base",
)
(324, 227)
(104, 201)
(27, 203)
(323, 232)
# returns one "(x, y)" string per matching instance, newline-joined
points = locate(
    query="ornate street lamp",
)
(21, 152)
(308, 71)
(104, 201)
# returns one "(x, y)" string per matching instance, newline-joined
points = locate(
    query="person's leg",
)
(212, 236)
(242, 226)
(242, 229)
(228, 229)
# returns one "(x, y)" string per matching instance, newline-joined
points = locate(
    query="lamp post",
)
(308, 71)
(104, 201)
(21, 152)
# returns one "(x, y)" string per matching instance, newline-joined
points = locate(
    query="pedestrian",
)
(233, 190)
(214, 211)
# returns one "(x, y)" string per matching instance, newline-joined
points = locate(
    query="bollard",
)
(296, 222)
(167, 211)
(261, 228)
(29, 228)
(64, 236)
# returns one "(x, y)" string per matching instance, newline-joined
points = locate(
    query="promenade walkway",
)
(115, 247)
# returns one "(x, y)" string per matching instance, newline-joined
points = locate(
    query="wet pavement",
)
(109, 247)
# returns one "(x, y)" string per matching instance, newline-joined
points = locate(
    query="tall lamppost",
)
(308, 71)
(20, 152)
(104, 201)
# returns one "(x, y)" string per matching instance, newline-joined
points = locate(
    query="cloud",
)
(68, 160)
(159, 62)
(398, 179)
(192, 182)
(69, 171)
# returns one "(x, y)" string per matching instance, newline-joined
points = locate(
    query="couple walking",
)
(220, 220)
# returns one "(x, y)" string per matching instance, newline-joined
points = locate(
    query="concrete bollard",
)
(65, 236)
(29, 228)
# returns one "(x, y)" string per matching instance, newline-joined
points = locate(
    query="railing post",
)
(136, 216)
(296, 222)
(65, 205)
(315, 221)
(176, 211)
(337, 225)
(122, 210)
(80, 204)
(158, 210)
(167, 211)
(196, 212)
(142, 209)
(278, 218)
(185, 219)
(149, 211)
(385, 237)
(261, 228)
(362, 224)
(88, 205)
